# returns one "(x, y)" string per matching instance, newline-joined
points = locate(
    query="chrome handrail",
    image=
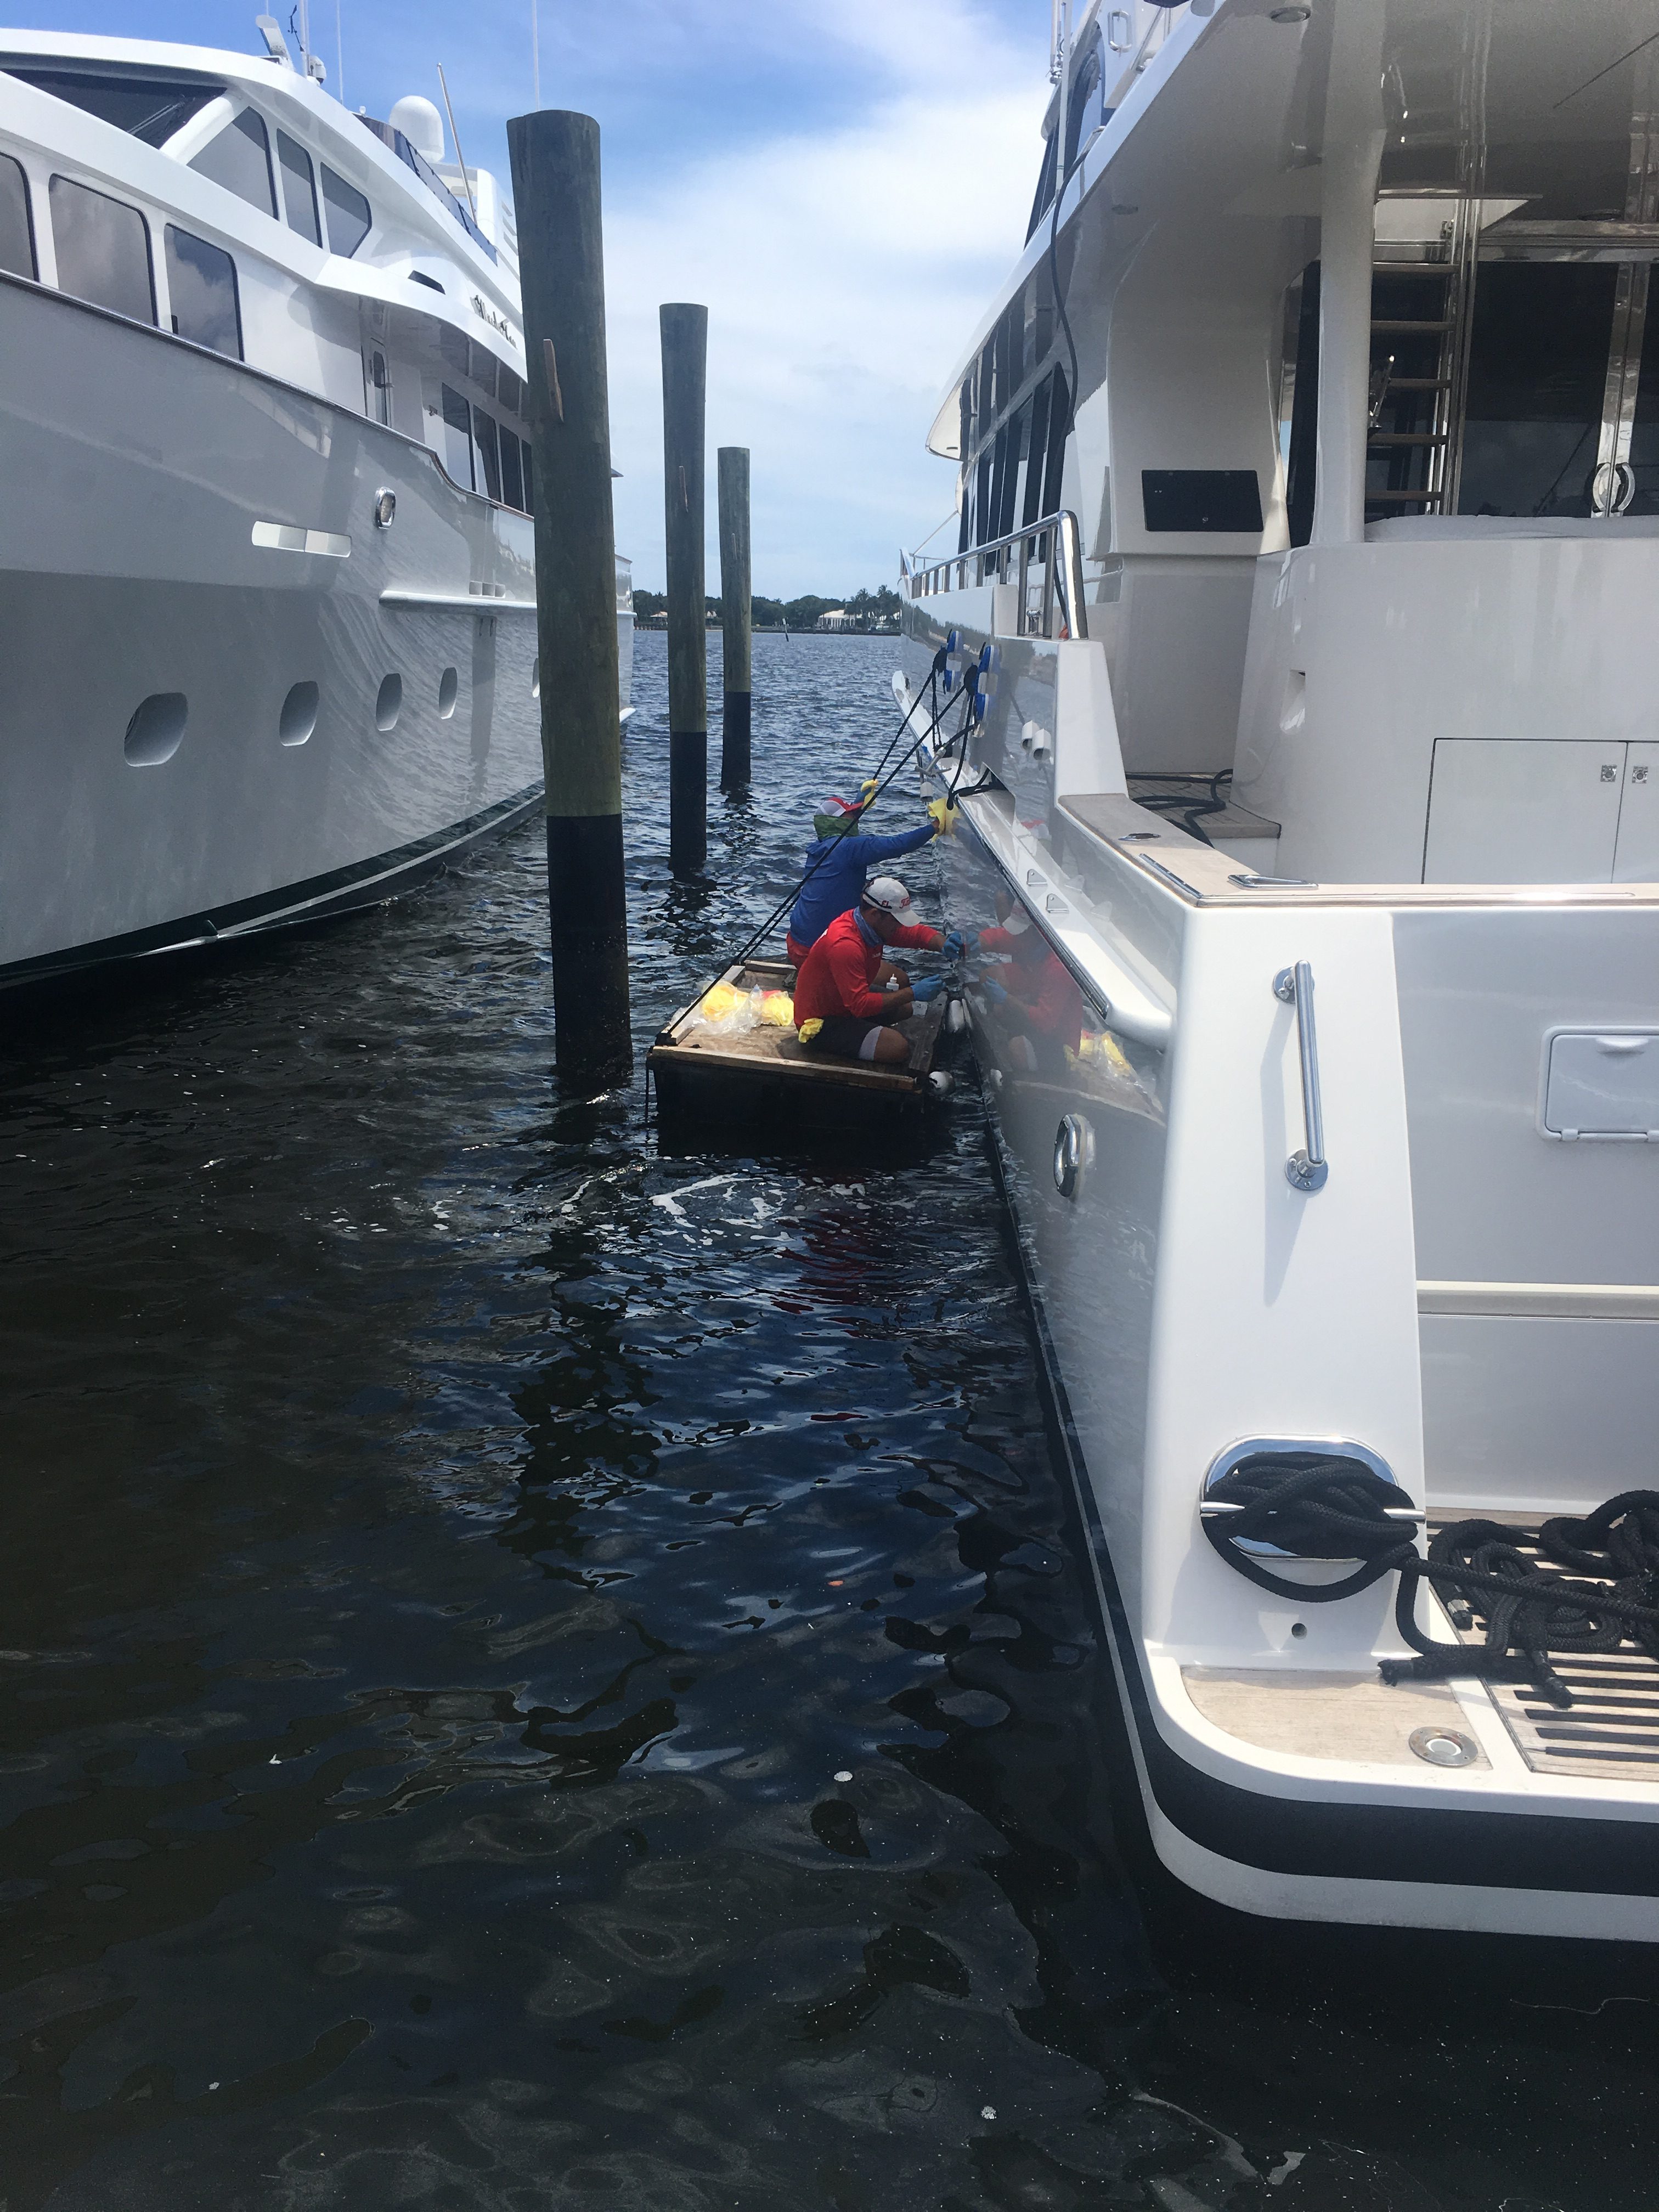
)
(1062, 579)
(1307, 1168)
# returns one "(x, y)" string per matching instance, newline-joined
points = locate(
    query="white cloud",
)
(844, 272)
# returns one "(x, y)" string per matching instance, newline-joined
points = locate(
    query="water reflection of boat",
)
(269, 592)
(1304, 532)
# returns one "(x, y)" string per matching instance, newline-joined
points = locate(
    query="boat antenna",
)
(456, 135)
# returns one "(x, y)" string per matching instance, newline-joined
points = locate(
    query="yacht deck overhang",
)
(1229, 120)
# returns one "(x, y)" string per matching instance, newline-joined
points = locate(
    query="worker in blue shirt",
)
(836, 864)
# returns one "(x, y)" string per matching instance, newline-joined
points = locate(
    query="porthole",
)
(389, 702)
(536, 678)
(157, 729)
(449, 684)
(299, 715)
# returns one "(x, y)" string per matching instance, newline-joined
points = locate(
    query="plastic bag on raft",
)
(726, 1012)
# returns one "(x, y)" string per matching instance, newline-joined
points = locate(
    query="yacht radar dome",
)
(421, 123)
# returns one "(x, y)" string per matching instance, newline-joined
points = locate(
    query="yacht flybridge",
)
(267, 600)
(1308, 534)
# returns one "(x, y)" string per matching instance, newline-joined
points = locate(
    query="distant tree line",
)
(865, 610)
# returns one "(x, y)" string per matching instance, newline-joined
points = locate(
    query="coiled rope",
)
(1319, 1508)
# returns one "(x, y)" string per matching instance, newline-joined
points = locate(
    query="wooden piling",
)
(684, 369)
(556, 186)
(737, 611)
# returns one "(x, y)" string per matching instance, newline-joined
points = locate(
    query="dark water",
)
(451, 1556)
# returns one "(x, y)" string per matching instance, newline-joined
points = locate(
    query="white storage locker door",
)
(1637, 859)
(1523, 811)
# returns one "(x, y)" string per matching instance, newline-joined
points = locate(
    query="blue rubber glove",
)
(955, 944)
(994, 990)
(929, 988)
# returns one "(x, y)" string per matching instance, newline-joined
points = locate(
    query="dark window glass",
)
(1059, 422)
(1034, 467)
(487, 439)
(202, 288)
(511, 474)
(348, 213)
(511, 389)
(483, 368)
(420, 276)
(452, 347)
(150, 107)
(380, 386)
(430, 177)
(1538, 373)
(299, 188)
(16, 235)
(529, 459)
(103, 250)
(240, 159)
(1302, 456)
(458, 438)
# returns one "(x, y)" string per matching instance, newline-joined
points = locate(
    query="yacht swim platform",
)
(753, 1075)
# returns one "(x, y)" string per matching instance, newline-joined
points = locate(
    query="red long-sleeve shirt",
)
(838, 975)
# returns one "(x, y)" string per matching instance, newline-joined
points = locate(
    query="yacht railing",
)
(1045, 561)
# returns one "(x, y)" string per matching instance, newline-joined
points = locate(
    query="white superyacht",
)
(267, 596)
(1308, 470)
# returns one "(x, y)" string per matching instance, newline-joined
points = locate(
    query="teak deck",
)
(764, 1070)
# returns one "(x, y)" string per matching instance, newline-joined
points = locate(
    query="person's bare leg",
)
(892, 1049)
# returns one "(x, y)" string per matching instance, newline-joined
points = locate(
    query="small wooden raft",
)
(763, 1071)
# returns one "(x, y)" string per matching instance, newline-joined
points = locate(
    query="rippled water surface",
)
(544, 1674)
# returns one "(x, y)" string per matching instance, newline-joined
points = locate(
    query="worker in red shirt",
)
(848, 994)
(1035, 992)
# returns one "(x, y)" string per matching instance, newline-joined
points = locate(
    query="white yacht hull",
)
(156, 497)
(1187, 1297)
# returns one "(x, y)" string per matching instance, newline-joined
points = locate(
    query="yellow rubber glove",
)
(809, 1030)
(945, 814)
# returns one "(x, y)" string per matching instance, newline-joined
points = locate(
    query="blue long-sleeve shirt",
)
(836, 882)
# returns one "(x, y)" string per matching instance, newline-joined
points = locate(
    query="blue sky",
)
(845, 185)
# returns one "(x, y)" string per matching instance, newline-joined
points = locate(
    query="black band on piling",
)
(735, 739)
(587, 901)
(688, 813)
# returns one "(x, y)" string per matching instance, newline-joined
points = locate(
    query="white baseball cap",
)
(890, 894)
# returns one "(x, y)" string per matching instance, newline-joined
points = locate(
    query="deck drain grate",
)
(1610, 1729)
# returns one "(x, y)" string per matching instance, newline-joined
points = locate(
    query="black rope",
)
(1314, 1507)
(1530, 1610)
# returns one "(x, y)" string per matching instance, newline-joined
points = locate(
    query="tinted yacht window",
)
(348, 218)
(298, 189)
(1538, 370)
(16, 237)
(103, 250)
(511, 474)
(458, 438)
(150, 107)
(202, 288)
(240, 159)
(487, 440)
